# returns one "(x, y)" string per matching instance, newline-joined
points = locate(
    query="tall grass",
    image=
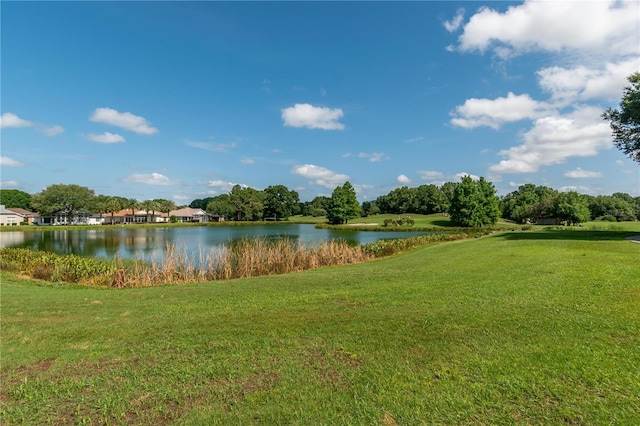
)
(241, 259)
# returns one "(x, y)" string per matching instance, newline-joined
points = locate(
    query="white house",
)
(9, 217)
(189, 214)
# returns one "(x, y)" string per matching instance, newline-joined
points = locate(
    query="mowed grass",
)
(538, 327)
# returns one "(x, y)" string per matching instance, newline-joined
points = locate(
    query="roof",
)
(186, 212)
(4, 210)
(22, 212)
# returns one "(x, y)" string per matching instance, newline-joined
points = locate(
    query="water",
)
(151, 243)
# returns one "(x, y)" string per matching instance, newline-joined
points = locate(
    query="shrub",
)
(607, 218)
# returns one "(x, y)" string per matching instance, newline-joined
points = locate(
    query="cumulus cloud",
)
(604, 28)
(9, 119)
(312, 117)
(320, 175)
(223, 185)
(10, 162)
(149, 179)
(455, 22)
(459, 176)
(213, 147)
(51, 130)
(495, 112)
(404, 179)
(374, 157)
(578, 173)
(124, 120)
(9, 184)
(554, 138)
(106, 137)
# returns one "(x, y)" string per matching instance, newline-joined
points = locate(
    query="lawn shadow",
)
(444, 223)
(569, 234)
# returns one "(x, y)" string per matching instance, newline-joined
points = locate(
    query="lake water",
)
(151, 243)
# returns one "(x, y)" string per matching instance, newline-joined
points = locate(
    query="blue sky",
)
(184, 100)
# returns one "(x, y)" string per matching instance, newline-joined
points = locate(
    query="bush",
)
(607, 218)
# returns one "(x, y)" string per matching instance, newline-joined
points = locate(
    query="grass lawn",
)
(539, 327)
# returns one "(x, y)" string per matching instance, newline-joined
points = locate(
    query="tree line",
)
(469, 202)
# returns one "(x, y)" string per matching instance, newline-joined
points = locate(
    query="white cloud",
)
(555, 138)
(9, 184)
(9, 119)
(306, 115)
(430, 175)
(213, 147)
(247, 161)
(223, 185)
(106, 137)
(346, 155)
(404, 179)
(149, 179)
(578, 173)
(320, 175)
(374, 157)
(583, 83)
(602, 28)
(455, 22)
(10, 162)
(124, 120)
(579, 188)
(52, 130)
(495, 112)
(459, 176)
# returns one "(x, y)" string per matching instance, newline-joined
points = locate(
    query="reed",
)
(240, 259)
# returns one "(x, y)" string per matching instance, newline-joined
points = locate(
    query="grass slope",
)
(515, 328)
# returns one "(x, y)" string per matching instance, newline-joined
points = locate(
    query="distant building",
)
(9, 217)
(29, 217)
(189, 214)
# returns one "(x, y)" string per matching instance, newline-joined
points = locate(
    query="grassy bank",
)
(515, 328)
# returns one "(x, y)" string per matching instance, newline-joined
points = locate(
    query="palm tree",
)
(132, 204)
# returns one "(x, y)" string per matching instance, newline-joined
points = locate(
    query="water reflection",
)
(151, 243)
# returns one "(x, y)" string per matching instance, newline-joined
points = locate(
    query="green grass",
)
(516, 328)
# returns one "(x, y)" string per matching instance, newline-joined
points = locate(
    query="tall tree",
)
(343, 205)
(474, 203)
(280, 203)
(572, 207)
(625, 122)
(112, 205)
(248, 203)
(68, 200)
(14, 198)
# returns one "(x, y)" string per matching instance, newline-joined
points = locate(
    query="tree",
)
(474, 203)
(280, 203)
(13, 198)
(165, 206)
(150, 206)
(518, 205)
(625, 122)
(131, 204)
(343, 205)
(248, 203)
(67, 200)
(112, 205)
(571, 207)
(221, 206)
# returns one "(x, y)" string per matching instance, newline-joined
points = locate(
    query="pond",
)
(151, 243)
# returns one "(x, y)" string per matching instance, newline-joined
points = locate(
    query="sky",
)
(184, 100)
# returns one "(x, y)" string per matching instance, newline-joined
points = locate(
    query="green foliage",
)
(625, 122)
(13, 198)
(221, 205)
(519, 205)
(65, 199)
(572, 207)
(474, 203)
(56, 268)
(279, 202)
(343, 205)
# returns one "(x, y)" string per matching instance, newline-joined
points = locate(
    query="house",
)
(9, 217)
(127, 216)
(189, 214)
(82, 217)
(29, 217)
